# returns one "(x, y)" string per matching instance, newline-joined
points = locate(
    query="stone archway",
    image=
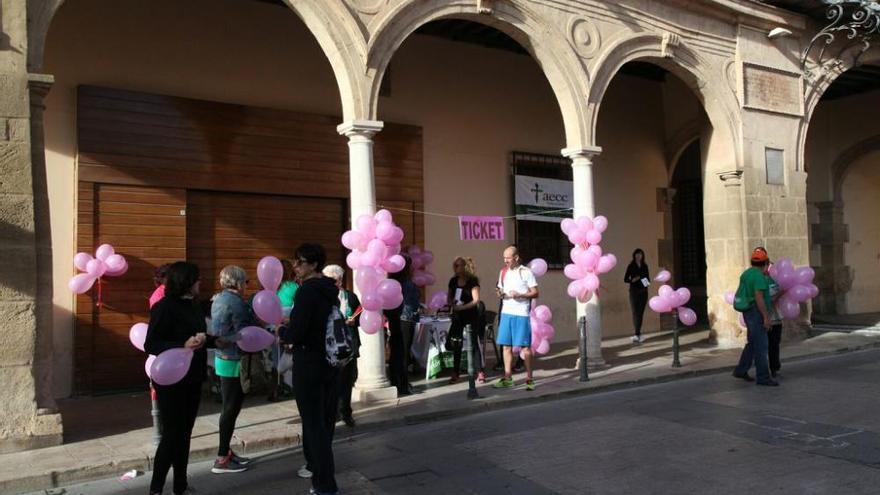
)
(550, 48)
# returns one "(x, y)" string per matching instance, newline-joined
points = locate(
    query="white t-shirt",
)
(520, 280)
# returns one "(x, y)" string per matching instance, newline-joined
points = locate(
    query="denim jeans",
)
(756, 347)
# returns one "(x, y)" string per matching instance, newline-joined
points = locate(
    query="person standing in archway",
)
(638, 279)
(516, 288)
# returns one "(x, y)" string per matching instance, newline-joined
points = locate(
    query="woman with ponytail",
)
(463, 298)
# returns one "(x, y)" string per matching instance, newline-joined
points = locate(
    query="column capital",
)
(360, 128)
(41, 83)
(588, 152)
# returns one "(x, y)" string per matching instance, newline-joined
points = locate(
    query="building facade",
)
(221, 131)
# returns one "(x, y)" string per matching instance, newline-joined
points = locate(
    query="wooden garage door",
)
(146, 225)
(239, 229)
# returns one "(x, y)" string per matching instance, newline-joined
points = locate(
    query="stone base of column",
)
(44, 430)
(373, 395)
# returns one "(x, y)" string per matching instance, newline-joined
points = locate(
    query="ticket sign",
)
(481, 228)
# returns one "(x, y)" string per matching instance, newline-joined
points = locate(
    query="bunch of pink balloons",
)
(421, 274)
(105, 263)
(670, 300)
(375, 252)
(588, 262)
(437, 300)
(138, 335)
(796, 284)
(168, 367)
(266, 303)
(542, 330)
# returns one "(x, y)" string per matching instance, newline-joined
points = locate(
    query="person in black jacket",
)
(315, 382)
(177, 321)
(638, 279)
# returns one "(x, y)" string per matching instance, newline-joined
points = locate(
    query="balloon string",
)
(100, 295)
(445, 215)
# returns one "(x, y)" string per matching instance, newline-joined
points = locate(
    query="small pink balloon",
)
(785, 265)
(393, 301)
(573, 272)
(665, 291)
(659, 304)
(149, 364)
(371, 301)
(397, 238)
(376, 247)
(585, 224)
(437, 301)
(585, 297)
(353, 260)
(420, 279)
(352, 239)
(80, 261)
(96, 268)
(255, 339)
(371, 321)
(394, 264)
(594, 237)
(663, 276)
(538, 267)
(116, 273)
(600, 223)
(543, 314)
(682, 296)
(549, 332)
(606, 263)
(543, 347)
(814, 291)
(729, 297)
(385, 231)
(383, 216)
(104, 251)
(270, 272)
(81, 283)
(799, 293)
(567, 226)
(804, 275)
(137, 335)
(115, 263)
(788, 308)
(390, 293)
(367, 278)
(366, 225)
(687, 316)
(171, 366)
(577, 237)
(575, 288)
(591, 282)
(596, 250)
(267, 306)
(427, 257)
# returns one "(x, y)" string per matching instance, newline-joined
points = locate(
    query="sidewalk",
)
(107, 436)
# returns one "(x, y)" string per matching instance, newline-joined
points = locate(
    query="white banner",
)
(539, 199)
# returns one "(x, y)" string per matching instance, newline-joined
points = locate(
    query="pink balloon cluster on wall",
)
(105, 263)
(375, 252)
(588, 262)
(673, 300)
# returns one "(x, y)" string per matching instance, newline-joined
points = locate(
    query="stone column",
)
(584, 204)
(21, 424)
(833, 277)
(372, 384)
(39, 85)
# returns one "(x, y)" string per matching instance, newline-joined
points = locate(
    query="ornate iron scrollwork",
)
(856, 22)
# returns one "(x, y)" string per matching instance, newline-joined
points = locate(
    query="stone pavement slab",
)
(106, 436)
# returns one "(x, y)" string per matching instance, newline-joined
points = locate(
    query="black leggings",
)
(233, 398)
(774, 336)
(637, 301)
(316, 385)
(347, 377)
(178, 408)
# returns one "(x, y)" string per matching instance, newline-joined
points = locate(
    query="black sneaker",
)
(244, 461)
(745, 377)
(227, 465)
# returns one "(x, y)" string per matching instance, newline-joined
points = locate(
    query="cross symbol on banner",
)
(537, 190)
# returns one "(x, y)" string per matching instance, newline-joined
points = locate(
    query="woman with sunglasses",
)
(463, 298)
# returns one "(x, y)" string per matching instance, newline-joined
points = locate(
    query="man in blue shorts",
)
(516, 288)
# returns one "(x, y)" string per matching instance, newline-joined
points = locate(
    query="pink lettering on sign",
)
(481, 228)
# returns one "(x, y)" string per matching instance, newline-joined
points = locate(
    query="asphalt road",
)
(817, 433)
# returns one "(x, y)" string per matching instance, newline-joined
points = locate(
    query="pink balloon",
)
(80, 261)
(543, 314)
(573, 272)
(389, 292)
(549, 331)
(383, 216)
(773, 271)
(665, 291)
(420, 279)
(785, 265)
(376, 247)
(577, 237)
(81, 283)
(385, 231)
(585, 297)
(397, 238)
(804, 275)
(371, 301)
(96, 268)
(814, 291)
(267, 306)
(429, 278)
(591, 282)
(600, 223)
(594, 237)
(538, 267)
(659, 305)
(585, 224)
(799, 293)
(367, 278)
(137, 335)
(394, 264)
(149, 364)
(575, 289)
(114, 262)
(687, 316)
(366, 225)
(353, 260)
(682, 296)
(606, 263)
(437, 301)
(786, 279)
(116, 273)
(255, 339)
(104, 251)
(171, 366)
(371, 321)
(596, 250)
(729, 297)
(568, 225)
(427, 258)
(352, 239)
(270, 272)
(788, 308)
(663, 276)
(543, 347)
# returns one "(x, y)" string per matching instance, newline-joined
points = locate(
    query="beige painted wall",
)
(862, 252)
(475, 105)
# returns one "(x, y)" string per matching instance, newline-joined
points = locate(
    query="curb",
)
(60, 478)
